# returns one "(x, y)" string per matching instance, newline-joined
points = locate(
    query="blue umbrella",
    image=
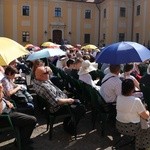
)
(123, 52)
(45, 53)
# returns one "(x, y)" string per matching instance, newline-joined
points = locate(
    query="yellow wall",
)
(42, 19)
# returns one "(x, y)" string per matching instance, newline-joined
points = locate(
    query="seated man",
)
(48, 91)
(25, 123)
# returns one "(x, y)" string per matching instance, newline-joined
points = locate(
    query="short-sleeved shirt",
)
(48, 91)
(128, 109)
(111, 88)
(7, 85)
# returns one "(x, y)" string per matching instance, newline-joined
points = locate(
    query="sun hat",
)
(87, 67)
(148, 69)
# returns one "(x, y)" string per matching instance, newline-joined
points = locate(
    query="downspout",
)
(99, 18)
(132, 26)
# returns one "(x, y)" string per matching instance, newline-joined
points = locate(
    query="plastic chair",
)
(6, 125)
(98, 106)
(51, 117)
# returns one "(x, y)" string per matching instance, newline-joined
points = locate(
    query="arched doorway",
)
(57, 36)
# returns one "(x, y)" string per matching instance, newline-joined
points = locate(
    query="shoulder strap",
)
(107, 79)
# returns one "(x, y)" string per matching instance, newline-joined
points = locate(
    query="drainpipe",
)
(99, 18)
(132, 26)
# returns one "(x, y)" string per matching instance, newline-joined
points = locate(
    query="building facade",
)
(61, 21)
(36, 21)
(125, 20)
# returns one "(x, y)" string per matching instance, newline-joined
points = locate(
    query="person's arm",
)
(145, 114)
(9, 104)
(142, 110)
(13, 91)
(65, 101)
(136, 83)
(1, 106)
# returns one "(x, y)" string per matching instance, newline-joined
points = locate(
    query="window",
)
(104, 36)
(87, 14)
(137, 37)
(138, 11)
(122, 11)
(105, 13)
(121, 37)
(57, 12)
(86, 38)
(25, 10)
(25, 36)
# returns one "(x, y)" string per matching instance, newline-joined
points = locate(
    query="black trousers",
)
(25, 123)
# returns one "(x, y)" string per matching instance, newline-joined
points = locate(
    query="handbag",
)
(19, 97)
(145, 124)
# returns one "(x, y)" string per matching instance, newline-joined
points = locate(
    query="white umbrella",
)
(45, 53)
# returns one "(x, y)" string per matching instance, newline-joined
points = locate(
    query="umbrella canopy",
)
(32, 47)
(50, 45)
(10, 50)
(45, 53)
(123, 52)
(29, 45)
(89, 46)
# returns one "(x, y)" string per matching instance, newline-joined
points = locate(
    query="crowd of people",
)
(117, 85)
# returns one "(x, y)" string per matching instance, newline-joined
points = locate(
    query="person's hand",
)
(70, 100)
(48, 69)
(19, 87)
(9, 104)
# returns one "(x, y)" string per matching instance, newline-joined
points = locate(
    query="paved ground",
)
(87, 139)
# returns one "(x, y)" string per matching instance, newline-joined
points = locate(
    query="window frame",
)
(121, 37)
(104, 13)
(138, 10)
(25, 11)
(58, 12)
(122, 11)
(86, 15)
(25, 36)
(137, 37)
(87, 38)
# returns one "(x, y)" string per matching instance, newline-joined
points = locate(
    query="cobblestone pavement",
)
(87, 139)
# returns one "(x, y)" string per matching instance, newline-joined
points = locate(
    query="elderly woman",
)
(84, 73)
(10, 89)
(129, 110)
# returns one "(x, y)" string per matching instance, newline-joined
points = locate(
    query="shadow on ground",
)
(87, 139)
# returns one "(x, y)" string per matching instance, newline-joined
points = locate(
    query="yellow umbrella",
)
(10, 50)
(29, 45)
(48, 44)
(89, 46)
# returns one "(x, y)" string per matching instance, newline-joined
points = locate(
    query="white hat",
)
(87, 67)
(148, 69)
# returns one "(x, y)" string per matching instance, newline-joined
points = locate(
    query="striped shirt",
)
(111, 88)
(48, 91)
